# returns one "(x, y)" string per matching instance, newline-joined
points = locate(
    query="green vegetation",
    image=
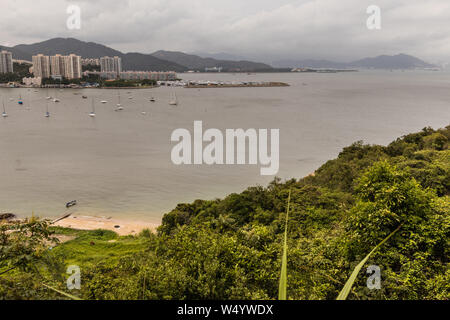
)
(21, 70)
(65, 81)
(373, 205)
(130, 83)
(90, 67)
(283, 277)
(101, 82)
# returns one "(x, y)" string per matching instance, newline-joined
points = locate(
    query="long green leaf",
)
(349, 284)
(62, 292)
(283, 276)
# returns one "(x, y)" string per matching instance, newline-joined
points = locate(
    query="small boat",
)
(4, 114)
(47, 113)
(152, 99)
(71, 203)
(104, 101)
(130, 98)
(92, 113)
(84, 97)
(56, 100)
(174, 100)
(119, 106)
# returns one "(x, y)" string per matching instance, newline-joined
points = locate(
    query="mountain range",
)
(130, 61)
(181, 62)
(194, 62)
(399, 61)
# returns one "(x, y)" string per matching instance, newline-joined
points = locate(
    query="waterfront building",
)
(41, 66)
(136, 75)
(90, 61)
(111, 64)
(57, 65)
(6, 62)
(72, 67)
(36, 81)
(148, 75)
(214, 69)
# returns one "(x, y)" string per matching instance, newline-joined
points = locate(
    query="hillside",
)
(65, 46)
(231, 248)
(17, 54)
(400, 61)
(194, 62)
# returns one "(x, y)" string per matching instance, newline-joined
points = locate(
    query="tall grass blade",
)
(349, 284)
(62, 292)
(283, 277)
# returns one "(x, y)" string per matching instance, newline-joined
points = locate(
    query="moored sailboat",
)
(173, 100)
(92, 113)
(119, 106)
(4, 114)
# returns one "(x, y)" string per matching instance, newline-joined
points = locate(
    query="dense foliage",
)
(231, 248)
(21, 70)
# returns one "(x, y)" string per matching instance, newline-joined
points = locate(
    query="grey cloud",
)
(256, 28)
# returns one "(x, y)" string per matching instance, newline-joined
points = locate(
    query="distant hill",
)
(180, 62)
(17, 54)
(194, 62)
(400, 61)
(65, 46)
(219, 56)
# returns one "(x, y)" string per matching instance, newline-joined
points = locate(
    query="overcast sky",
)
(275, 29)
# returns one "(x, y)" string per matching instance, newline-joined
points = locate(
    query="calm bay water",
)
(118, 164)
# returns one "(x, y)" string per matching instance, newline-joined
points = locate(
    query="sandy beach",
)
(122, 227)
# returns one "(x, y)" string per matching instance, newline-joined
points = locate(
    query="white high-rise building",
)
(41, 66)
(58, 65)
(65, 66)
(111, 64)
(6, 62)
(73, 67)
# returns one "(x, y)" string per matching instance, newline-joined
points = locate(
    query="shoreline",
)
(122, 227)
(250, 85)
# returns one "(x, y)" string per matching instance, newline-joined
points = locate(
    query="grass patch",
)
(92, 247)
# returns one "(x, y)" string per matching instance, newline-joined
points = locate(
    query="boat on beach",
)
(71, 204)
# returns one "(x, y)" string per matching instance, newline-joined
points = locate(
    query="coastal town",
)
(73, 71)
